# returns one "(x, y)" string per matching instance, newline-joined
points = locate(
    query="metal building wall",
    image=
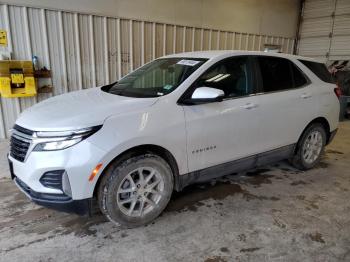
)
(325, 30)
(84, 50)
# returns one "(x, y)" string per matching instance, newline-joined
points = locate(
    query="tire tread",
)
(112, 172)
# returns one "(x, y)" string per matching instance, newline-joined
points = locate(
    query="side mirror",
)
(207, 95)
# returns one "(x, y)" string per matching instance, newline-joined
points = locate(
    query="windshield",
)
(158, 78)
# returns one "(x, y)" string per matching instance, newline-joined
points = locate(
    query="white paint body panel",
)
(226, 130)
(226, 126)
(78, 109)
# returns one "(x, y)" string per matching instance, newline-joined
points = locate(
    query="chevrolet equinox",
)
(180, 119)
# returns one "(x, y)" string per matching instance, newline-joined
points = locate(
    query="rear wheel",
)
(136, 191)
(310, 147)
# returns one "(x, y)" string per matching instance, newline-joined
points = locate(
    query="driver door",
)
(220, 132)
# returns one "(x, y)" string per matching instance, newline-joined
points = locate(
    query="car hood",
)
(78, 109)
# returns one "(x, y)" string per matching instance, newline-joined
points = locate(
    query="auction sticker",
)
(187, 62)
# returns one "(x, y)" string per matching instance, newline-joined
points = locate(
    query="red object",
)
(338, 91)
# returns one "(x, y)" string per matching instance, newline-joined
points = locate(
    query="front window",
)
(231, 76)
(157, 78)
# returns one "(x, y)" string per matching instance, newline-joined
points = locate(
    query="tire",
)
(301, 159)
(135, 191)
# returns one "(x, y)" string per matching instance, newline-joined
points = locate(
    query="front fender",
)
(153, 127)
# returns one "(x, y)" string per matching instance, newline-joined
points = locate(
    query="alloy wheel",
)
(312, 147)
(140, 192)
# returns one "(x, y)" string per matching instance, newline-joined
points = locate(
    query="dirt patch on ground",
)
(300, 197)
(190, 198)
(224, 249)
(330, 151)
(299, 182)
(322, 164)
(259, 180)
(215, 259)
(317, 237)
(248, 250)
(27, 217)
(193, 196)
(279, 223)
(259, 177)
(40, 221)
(242, 238)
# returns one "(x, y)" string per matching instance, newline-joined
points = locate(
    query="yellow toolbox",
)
(17, 79)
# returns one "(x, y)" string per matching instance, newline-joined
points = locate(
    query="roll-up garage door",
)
(325, 30)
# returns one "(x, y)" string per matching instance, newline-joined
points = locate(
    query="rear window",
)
(299, 78)
(320, 70)
(278, 74)
(275, 73)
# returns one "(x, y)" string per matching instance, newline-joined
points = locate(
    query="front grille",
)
(18, 148)
(52, 179)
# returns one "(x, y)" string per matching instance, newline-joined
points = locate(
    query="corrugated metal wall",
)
(325, 30)
(85, 50)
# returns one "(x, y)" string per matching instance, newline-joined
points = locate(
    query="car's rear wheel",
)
(310, 147)
(136, 191)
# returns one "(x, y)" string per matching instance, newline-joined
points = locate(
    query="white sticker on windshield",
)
(187, 62)
(167, 87)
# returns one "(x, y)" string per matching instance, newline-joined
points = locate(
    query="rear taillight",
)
(338, 91)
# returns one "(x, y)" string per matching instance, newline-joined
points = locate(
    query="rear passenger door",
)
(286, 102)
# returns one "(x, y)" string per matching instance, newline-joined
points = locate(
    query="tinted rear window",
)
(275, 73)
(320, 70)
(299, 78)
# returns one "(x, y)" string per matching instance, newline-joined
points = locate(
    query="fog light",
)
(66, 185)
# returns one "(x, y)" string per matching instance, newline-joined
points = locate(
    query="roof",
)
(225, 53)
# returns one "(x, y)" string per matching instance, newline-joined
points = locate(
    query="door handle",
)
(249, 106)
(306, 95)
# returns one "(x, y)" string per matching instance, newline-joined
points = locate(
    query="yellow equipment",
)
(17, 79)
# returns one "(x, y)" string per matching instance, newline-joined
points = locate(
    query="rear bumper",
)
(60, 202)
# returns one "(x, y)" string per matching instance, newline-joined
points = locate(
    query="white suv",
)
(177, 120)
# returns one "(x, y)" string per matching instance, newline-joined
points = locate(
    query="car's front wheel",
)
(310, 147)
(136, 191)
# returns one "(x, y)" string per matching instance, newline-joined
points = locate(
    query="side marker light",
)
(94, 172)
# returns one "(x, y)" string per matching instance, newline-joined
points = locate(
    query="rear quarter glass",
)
(320, 70)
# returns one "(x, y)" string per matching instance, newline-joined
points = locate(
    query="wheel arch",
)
(143, 149)
(321, 120)
(324, 122)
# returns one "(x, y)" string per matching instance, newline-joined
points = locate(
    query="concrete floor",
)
(272, 214)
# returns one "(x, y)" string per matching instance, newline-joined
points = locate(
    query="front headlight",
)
(49, 141)
(58, 145)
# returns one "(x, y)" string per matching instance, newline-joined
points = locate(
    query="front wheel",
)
(310, 147)
(136, 191)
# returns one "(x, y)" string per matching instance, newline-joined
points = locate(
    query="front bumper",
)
(78, 162)
(60, 202)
